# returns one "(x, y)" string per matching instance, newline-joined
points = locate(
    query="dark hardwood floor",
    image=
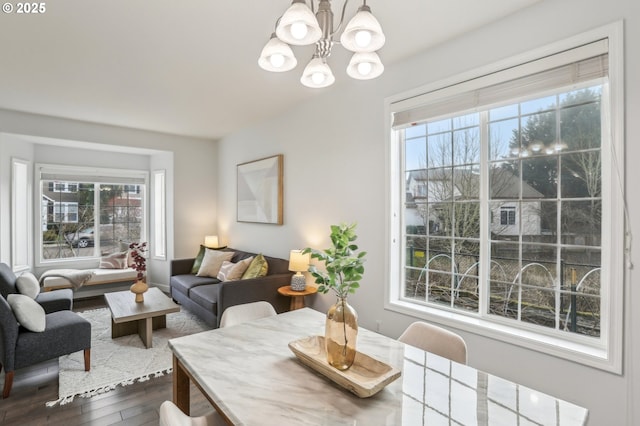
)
(135, 404)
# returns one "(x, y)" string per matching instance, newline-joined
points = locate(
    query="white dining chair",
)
(437, 340)
(171, 415)
(246, 312)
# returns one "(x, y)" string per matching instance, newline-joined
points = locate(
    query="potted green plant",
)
(344, 268)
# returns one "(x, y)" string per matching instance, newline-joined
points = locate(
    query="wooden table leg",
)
(145, 331)
(181, 395)
(297, 302)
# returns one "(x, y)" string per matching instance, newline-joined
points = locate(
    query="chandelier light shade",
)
(298, 25)
(308, 23)
(363, 33)
(277, 56)
(317, 74)
(365, 66)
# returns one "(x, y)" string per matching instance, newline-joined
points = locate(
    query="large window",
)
(88, 214)
(502, 219)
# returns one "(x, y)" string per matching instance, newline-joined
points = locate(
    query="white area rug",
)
(121, 361)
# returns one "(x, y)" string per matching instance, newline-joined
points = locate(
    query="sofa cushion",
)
(198, 262)
(258, 268)
(28, 312)
(206, 296)
(116, 260)
(184, 283)
(28, 284)
(233, 271)
(212, 262)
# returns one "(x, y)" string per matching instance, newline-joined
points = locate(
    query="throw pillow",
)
(28, 284)
(28, 312)
(212, 261)
(198, 262)
(258, 268)
(233, 271)
(114, 261)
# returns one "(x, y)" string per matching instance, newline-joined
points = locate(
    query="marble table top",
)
(251, 375)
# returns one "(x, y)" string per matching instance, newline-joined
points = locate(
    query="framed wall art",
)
(260, 191)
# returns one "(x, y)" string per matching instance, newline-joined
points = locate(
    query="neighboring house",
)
(428, 192)
(59, 204)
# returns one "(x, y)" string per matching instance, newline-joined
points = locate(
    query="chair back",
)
(246, 312)
(7, 280)
(437, 340)
(171, 415)
(8, 335)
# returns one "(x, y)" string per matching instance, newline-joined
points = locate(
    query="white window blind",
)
(584, 63)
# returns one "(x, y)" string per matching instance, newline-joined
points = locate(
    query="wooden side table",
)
(297, 297)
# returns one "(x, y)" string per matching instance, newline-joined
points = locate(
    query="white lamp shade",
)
(298, 25)
(277, 56)
(365, 66)
(298, 262)
(317, 74)
(363, 33)
(211, 241)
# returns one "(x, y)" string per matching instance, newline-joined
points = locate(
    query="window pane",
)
(581, 222)
(466, 145)
(504, 139)
(439, 126)
(539, 220)
(416, 154)
(540, 177)
(440, 150)
(539, 104)
(581, 175)
(581, 295)
(415, 131)
(503, 112)
(505, 180)
(467, 220)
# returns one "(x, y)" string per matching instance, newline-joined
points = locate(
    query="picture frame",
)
(259, 191)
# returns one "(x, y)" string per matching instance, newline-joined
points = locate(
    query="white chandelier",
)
(301, 25)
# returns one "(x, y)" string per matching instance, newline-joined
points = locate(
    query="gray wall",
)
(334, 171)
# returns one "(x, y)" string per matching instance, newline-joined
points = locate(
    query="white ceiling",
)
(190, 67)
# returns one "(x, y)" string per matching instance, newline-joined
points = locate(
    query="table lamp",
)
(298, 263)
(211, 241)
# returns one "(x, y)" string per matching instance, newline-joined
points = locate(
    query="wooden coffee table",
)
(129, 317)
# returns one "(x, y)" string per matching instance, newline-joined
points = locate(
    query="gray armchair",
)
(51, 301)
(65, 331)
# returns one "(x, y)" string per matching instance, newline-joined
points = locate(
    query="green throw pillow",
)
(198, 261)
(257, 268)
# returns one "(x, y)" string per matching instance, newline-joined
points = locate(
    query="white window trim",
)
(608, 355)
(21, 223)
(159, 245)
(78, 173)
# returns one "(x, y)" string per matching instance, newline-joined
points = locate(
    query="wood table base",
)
(143, 327)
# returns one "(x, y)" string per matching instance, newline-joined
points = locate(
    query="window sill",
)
(575, 351)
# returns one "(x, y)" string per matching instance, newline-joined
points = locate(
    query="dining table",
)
(251, 376)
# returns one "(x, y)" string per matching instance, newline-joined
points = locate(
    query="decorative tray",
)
(366, 377)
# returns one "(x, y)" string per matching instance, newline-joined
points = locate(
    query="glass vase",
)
(341, 332)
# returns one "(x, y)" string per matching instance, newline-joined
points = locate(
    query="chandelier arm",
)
(339, 27)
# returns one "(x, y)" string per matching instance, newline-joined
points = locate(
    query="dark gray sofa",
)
(209, 297)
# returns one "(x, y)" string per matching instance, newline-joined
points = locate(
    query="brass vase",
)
(139, 288)
(341, 332)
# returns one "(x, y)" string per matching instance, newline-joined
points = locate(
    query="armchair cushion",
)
(27, 284)
(28, 312)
